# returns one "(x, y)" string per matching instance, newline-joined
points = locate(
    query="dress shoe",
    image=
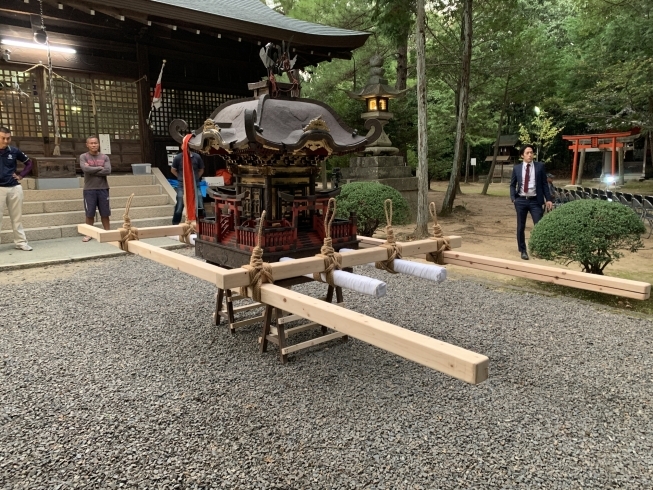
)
(524, 255)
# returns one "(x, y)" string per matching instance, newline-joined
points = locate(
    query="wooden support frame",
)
(279, 334)
(449, 359)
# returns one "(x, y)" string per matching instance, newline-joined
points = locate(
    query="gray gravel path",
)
(115, 378)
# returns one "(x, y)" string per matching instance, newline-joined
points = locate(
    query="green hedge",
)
(366, 200)
(589, 232)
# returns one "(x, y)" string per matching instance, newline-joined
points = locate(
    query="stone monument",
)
(380, 161)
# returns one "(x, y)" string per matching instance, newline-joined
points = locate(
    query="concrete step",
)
(51, 232)
(38, 207)
(70, 194)
(130, 180)
(75, 217)
(114, 181)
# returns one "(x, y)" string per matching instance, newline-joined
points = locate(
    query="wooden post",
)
(144, 103)
(574, 164)
(581, 167)
(613, 149)
(268, 198)
(42, 87)
(644, 158)
(324, 175)
(621, 166)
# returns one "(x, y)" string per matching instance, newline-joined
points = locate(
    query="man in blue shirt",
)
(11, 192)
(178, 171)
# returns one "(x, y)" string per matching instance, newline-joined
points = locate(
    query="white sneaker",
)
(25, 247)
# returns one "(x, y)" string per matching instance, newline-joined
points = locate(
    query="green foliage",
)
(589, 232)
(366, 199)
(541, 133)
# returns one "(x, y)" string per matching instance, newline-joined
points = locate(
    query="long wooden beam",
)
(104, 236)
(554, 275)
(449, 359)
(294, 268)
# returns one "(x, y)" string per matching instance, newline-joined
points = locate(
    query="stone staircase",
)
(55, 213)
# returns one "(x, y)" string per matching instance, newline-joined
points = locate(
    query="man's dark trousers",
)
(523, 206)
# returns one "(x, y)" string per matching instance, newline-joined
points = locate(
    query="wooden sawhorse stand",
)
(278, 334)
(224, 308)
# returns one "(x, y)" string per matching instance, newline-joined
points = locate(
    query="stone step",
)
(51, 232)
(38, 207)
(75, 217)
(130, 180)
(71, 194)
(114, 181)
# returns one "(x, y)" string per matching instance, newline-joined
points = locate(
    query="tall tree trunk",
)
(467, 163)
(402, 63)
(644, 158)
(490, 175)
(463, 107)
(421, 230)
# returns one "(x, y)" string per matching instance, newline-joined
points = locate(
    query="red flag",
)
(189, 181)
(156, 101)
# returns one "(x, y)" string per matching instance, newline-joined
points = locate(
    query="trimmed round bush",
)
(366, 200)
(589, 232)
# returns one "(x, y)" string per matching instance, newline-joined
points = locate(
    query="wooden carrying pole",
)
(455, 361)
(554, 275)
(449, 359)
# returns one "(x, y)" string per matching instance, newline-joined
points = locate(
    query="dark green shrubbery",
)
(589, 232)
(366, 200)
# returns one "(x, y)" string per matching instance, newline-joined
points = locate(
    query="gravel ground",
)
(115, 378)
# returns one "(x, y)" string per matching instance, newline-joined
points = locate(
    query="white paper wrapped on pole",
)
(192, 238)
(355, 282)
(429, 272)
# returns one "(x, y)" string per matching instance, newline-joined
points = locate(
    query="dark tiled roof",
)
(249, 17)
(256, 12)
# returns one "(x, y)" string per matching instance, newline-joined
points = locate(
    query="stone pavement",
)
(62, 250)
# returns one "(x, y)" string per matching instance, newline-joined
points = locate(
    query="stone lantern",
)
(377, 94)
(380, 161)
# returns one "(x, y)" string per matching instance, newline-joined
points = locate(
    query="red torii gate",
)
(587, 141)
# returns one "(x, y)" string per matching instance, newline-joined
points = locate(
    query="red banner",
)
(190, 201)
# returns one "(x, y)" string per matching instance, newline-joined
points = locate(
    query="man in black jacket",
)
(529, 191)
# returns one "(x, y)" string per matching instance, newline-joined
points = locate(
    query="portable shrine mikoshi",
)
(274, 218)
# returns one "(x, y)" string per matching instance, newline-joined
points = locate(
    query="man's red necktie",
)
(526, 178)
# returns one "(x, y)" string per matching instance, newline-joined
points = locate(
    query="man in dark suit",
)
(529, 191)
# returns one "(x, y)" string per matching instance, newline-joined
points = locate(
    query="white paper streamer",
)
(355, 282)
(429, 272)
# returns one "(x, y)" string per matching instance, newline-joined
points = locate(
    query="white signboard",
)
(105, 144)
(473, 162)
(171, 151)
(214, 181)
